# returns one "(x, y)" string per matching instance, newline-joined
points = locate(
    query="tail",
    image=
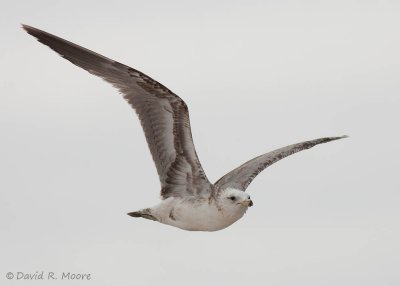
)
(145, 213)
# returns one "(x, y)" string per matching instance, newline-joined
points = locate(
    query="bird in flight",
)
(189, 200)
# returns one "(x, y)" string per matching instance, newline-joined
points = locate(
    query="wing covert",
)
(163, 115)
(242, 176)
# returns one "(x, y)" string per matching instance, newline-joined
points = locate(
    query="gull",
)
(188, 200)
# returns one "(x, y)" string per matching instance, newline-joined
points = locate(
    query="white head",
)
(233, 199)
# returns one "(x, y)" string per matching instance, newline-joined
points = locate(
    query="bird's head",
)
(233, 198)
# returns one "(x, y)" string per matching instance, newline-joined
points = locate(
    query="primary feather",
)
(164, 115)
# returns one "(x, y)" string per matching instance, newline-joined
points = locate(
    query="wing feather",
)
(164, 116)
(242, 176)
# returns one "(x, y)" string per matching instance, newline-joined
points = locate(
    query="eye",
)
(232, 198)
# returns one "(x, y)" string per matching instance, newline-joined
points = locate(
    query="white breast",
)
(195, 215)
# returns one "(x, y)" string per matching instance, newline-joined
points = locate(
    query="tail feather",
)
(146, 213)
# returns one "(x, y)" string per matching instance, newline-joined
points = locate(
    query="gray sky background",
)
(256, 75)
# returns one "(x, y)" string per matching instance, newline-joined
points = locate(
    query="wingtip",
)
(344, 136)
(26, 27)
(31, 30)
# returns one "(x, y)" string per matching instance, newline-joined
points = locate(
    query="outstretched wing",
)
(241, 177)
(164, 116)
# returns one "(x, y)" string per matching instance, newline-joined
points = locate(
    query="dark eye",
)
(232, 198)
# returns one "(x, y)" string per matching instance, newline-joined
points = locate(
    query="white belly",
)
(195, 215)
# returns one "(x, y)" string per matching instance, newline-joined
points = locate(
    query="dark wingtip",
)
(28, 28)
(32, 30)
(336, 138)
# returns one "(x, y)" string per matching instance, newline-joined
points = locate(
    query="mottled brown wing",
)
(163, 115)
(241, 177)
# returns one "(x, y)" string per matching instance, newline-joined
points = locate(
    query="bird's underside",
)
(165, 120)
